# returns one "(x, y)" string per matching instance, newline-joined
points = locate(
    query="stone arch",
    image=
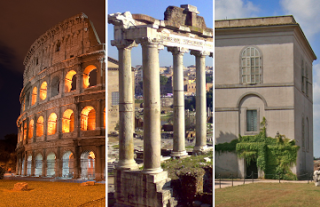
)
(31, 128)
(39, 127)
(68, 121)
(68, 164)
(52, 124)
(252, 94)
(70, 82)
(38, 164)
(34, 96)
(29, 164)
(55, 86)
(43, 90)
(90, 75)
(51, 161)
(87, 164)
(25, 130)
(88, 118)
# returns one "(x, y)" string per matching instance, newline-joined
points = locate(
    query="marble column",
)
(178, 103)
(126, 110)
(151, 100)
(201, 102)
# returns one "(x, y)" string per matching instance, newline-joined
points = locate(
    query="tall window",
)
(43, 90)
(31, 127)
(39, 127)
(34, 96)
(88, 118)
(250, 66)
(68, 121)
(52, 124)
(252, 121)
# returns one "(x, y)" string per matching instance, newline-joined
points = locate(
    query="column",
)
(201, 102)
(151, 99)
(178, 103)
(126, 116)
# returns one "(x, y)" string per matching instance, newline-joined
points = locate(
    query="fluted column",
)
(151, 100)
(178, 103)
(201, 102)
(126, 146)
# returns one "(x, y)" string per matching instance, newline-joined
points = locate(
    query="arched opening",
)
(67, 164)
(34, 96)
(70, 81)
(29, 162)
(88, 119)
(39, 128)
(55, 86)
(27, 98)
(52, 124)
(68, 121)
(31, 128)
(58, 46)
(22, 166)
(90, 76)
(25, 130)
(87, 165)
(43, 91)
(38, 169)
(51, 161)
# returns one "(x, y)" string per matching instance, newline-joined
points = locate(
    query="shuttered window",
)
(252, 120)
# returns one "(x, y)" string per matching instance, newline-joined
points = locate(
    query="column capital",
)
(151, 42)
(177, 50)
(199, 53)
(124, 44)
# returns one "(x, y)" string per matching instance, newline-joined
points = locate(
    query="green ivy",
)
(274, 156)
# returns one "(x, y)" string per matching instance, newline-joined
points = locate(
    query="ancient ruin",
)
(61, 129)
(181, 31)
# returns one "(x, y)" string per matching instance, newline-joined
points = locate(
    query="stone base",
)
(179, 154)
(200, 149)
(134, 188)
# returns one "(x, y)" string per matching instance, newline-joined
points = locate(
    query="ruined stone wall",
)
(63, 99)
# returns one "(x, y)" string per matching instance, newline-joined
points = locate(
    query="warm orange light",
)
(86, 75)
(31, 127)
(88, 118)
(25, 131)
(68, 121)
(52, 124)
(43, 90)
(68, 81)
(39, 131)
(34, 96)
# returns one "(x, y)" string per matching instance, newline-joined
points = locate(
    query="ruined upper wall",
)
(68, 39)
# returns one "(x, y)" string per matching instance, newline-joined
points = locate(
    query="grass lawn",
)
(49, 194)
(269, 194)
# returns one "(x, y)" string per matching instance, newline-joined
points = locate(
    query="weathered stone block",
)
(20, 186)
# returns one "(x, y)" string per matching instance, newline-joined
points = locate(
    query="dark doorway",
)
(252, 168)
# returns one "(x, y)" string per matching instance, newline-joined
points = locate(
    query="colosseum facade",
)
(61, 129)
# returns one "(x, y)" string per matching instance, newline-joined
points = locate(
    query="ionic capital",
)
(124, 44)
(150, 42)
(198, 53)
(177, 50)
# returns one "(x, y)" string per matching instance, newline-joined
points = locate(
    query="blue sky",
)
(156, 9)
(306, 13)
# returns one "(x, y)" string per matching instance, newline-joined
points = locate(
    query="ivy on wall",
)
(273, 155)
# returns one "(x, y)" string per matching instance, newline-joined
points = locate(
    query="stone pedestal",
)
(134, 188)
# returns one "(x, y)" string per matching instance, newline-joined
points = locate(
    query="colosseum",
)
(61, 129)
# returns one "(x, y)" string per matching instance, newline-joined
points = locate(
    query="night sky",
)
(22, 22)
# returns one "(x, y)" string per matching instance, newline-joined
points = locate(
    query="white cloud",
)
(231, 9)
(306, 13)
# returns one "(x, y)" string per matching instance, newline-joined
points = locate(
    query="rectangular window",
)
(252, 125)
(115, 98)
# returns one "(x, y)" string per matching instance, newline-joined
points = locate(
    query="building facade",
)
(263, 69)
(61, 128)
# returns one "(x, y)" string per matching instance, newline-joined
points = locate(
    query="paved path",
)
(228, 183)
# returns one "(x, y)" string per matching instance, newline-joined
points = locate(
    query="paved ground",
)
(228, 183)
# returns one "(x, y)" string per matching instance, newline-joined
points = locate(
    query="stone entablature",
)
(61, 127)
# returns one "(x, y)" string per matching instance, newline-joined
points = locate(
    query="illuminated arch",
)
(39, 131)
(87, 160)
(51, 161)
(34, 96)
(68, 121)
(31, 127)
(70, 81)
(52, 124)
(25, 130)
(88, 119)
(43, 90)
(90, 76)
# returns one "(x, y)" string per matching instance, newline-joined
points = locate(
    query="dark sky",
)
(22, 22)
